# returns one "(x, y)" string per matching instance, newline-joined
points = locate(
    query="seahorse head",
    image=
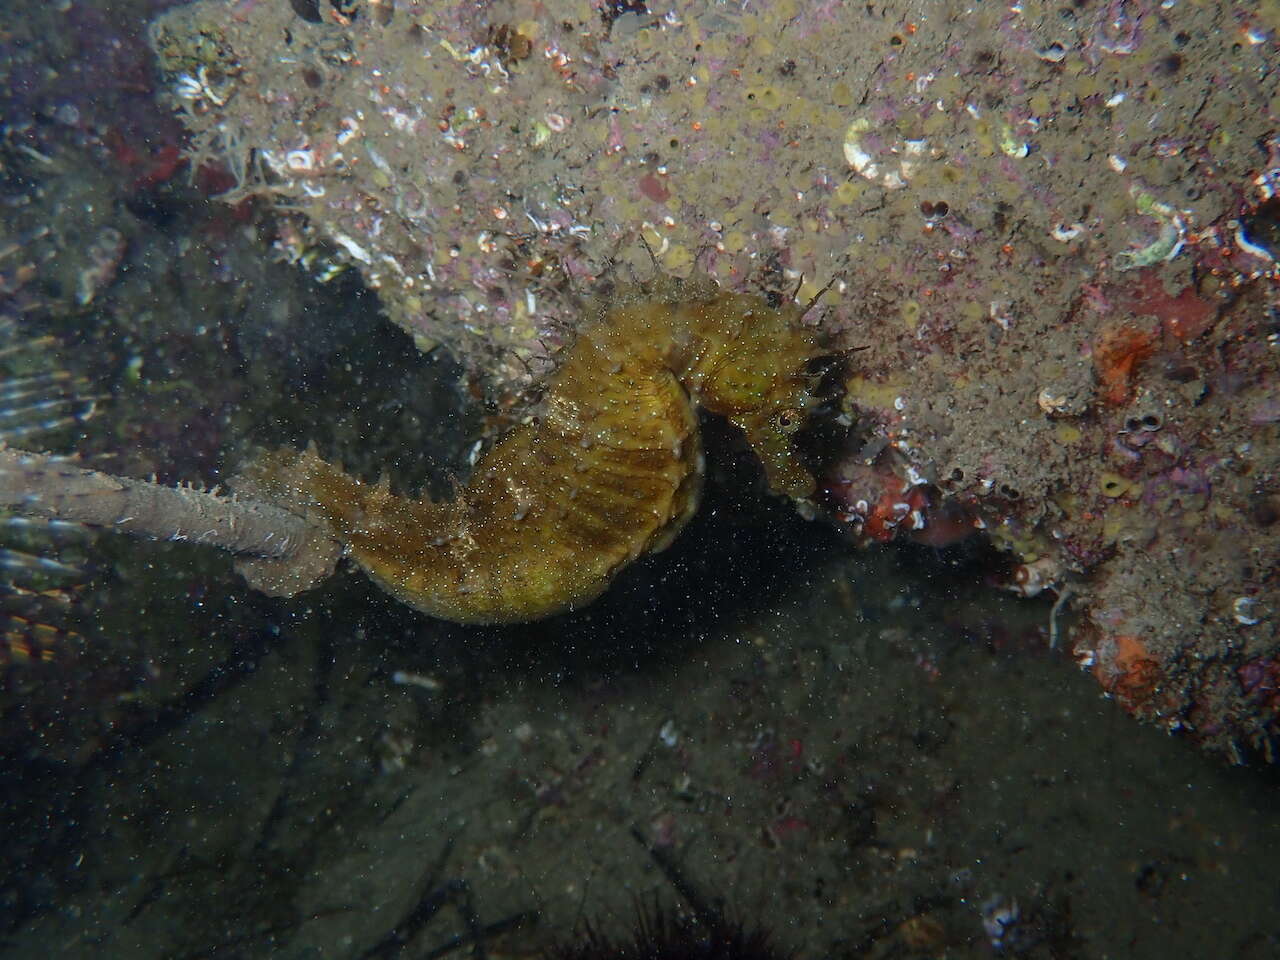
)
(772, 438)
(762, 380)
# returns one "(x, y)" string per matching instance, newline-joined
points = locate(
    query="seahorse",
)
(608, 469)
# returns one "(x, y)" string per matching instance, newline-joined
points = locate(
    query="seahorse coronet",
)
(610, 469)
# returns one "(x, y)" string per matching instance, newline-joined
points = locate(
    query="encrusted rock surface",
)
(1055, 229)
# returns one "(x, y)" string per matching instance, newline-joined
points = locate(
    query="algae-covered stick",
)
(292, 552)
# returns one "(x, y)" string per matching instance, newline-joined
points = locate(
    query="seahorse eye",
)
(787, 420)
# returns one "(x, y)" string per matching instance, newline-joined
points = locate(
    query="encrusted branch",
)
(280, 552)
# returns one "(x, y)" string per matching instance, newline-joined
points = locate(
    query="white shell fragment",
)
(891, 173)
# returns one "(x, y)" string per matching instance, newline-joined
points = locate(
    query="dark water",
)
(866, 753)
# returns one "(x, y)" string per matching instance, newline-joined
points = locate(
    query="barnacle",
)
(608, 470)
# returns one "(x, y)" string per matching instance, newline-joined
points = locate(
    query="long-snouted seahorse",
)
(610, 467)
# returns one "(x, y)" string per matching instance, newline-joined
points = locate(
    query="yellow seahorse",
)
(609, 469)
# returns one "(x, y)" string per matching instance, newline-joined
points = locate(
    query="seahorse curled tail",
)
(608, 469)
